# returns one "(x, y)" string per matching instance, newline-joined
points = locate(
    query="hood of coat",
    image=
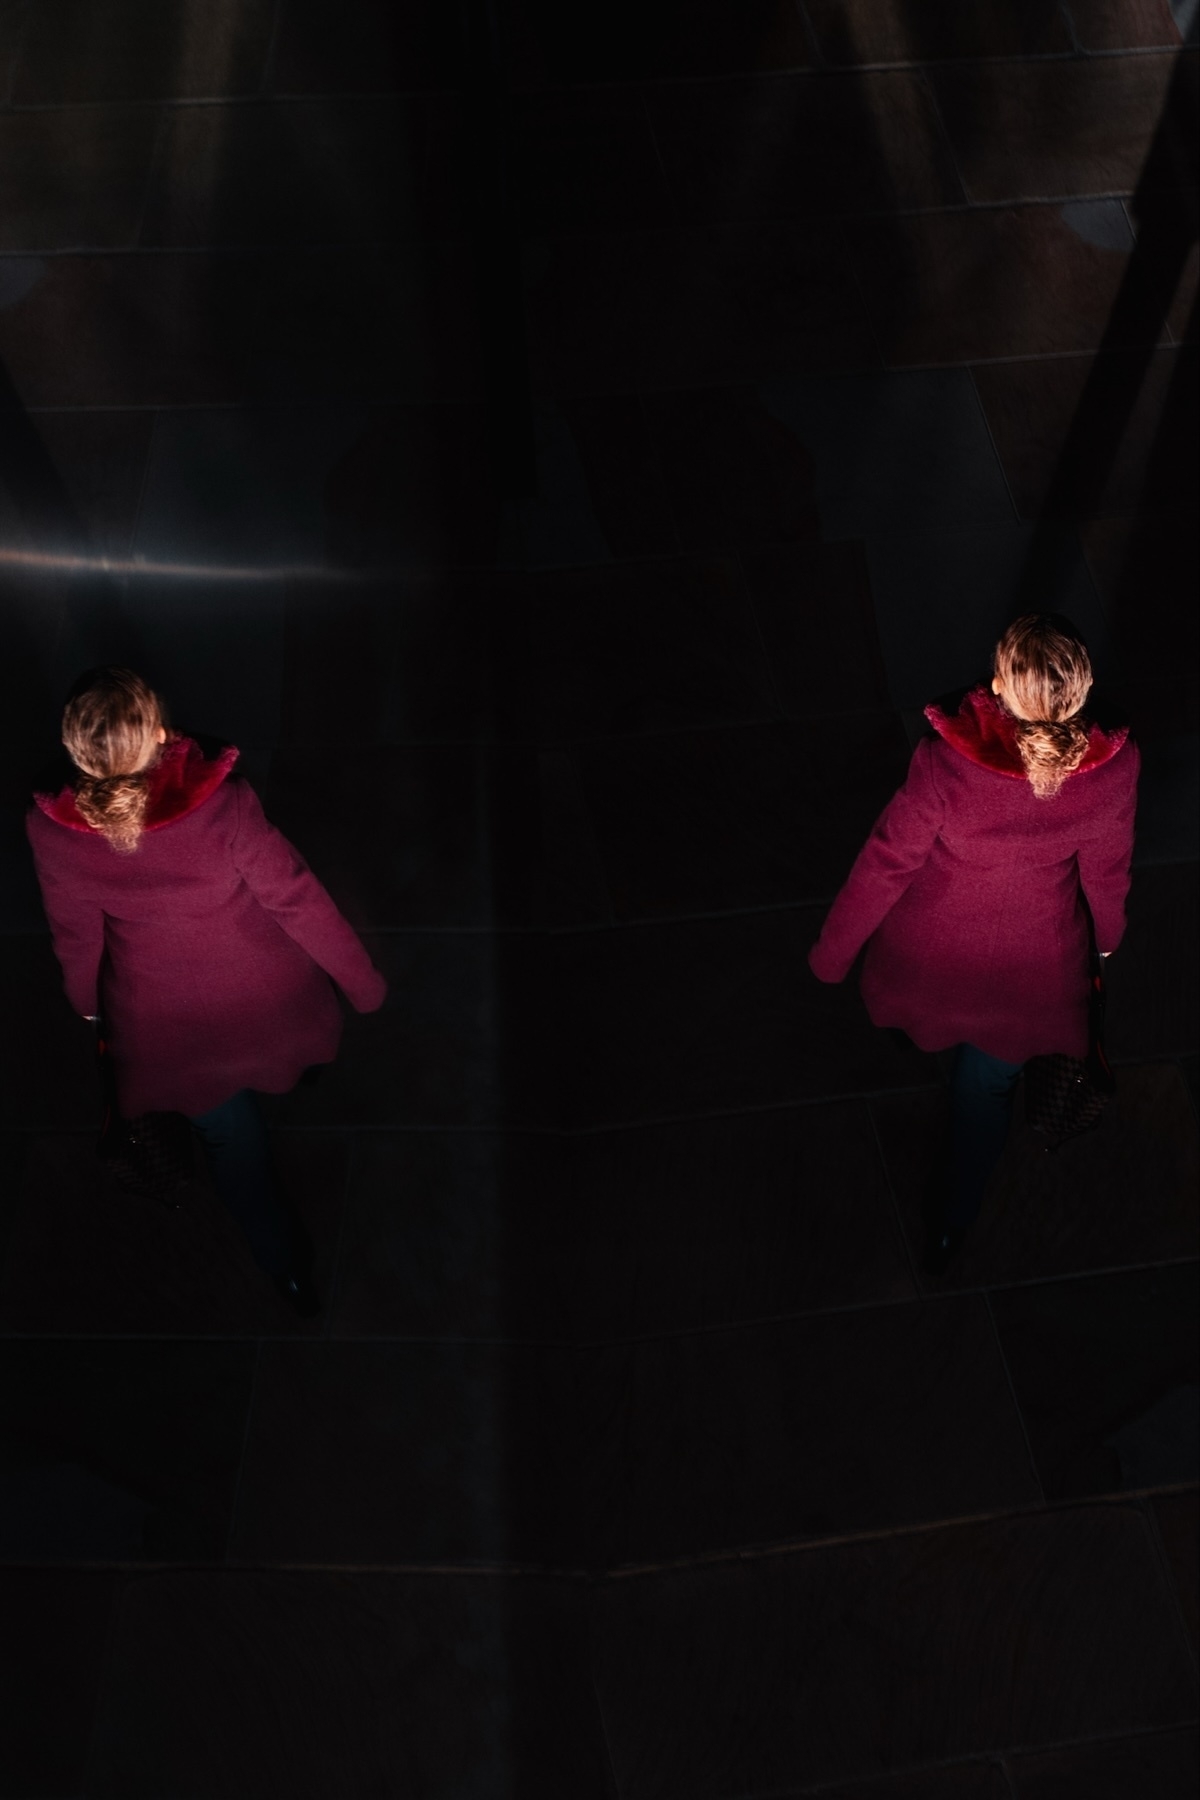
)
(181, 780)
(986, 734)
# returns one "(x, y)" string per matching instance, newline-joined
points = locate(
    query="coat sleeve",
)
(1104, 859)
(286, 887)
(76, 922)
(900, 841)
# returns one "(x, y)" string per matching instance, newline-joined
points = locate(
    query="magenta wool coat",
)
(209, 950)
(969, 892)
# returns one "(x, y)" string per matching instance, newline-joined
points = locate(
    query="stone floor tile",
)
(464, 1235)
(557, 524)
(814, 607)
(616, 1234)
(458, 1042)
(410, 492)
(1168, 816)
(1190, 1066)
(623, 472)
(423, 336)
(586, 160)
(1125, 1194)
(297, 1686)
(599, 42)
(181, 329)
(665, 309)
(417, 657)
(1152, 980)
(395, 832)
(12, 19)
(142, 50)
(970, 285)
(416, 1453)
(754, 1676)
(1161, 1763)
(373, 169)
(85, 1257)
(810, 1428)
(1104, 1369)
(56, 1625)
(795, 147)
(931, 643)
(1030, 130)
(710, 1015)
(84, 497)
(121, 1449)
(893, 452)
(754, 816)
(735, 473)
(371, 47)
(576, 887)
(1177, 1522)
(1146, 572)
(73, 179)
(729, 1221)
(1030, 407)
(1124, 24)
(638, 647)
(888, 31)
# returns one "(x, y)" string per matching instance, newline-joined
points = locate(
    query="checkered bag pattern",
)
(1066, 1096)
(152, 1155)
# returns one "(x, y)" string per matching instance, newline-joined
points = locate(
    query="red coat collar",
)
(986, 734)
(181, 780)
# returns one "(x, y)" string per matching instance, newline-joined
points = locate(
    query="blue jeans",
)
(239, 1160)
(981, 1103)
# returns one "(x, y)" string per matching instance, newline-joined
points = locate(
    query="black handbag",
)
(1066, 1096)
(152, 1155)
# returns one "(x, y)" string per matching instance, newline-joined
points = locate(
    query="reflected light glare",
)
(54, 563)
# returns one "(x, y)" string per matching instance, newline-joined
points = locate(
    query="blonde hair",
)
(111, 720)
(1044, 665)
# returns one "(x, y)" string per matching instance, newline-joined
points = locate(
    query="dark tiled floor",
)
(757, 1676)
(271, 1646)
(633, 1453)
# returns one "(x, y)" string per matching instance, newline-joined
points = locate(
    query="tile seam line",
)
(991, 1756)
(884, 1534)
(998, 1341)
(795, 72)
(597, 1576)
(415, 240)
(631, 1341)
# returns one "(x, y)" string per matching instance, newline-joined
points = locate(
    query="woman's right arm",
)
(900, 841)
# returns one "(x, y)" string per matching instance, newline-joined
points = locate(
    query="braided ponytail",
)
(109, 726)
(1042, 665)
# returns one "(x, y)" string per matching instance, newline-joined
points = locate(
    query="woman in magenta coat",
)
(982, 886)
(197, 931)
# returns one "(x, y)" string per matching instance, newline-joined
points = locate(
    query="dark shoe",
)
(299, 1292)
(941, 1247)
